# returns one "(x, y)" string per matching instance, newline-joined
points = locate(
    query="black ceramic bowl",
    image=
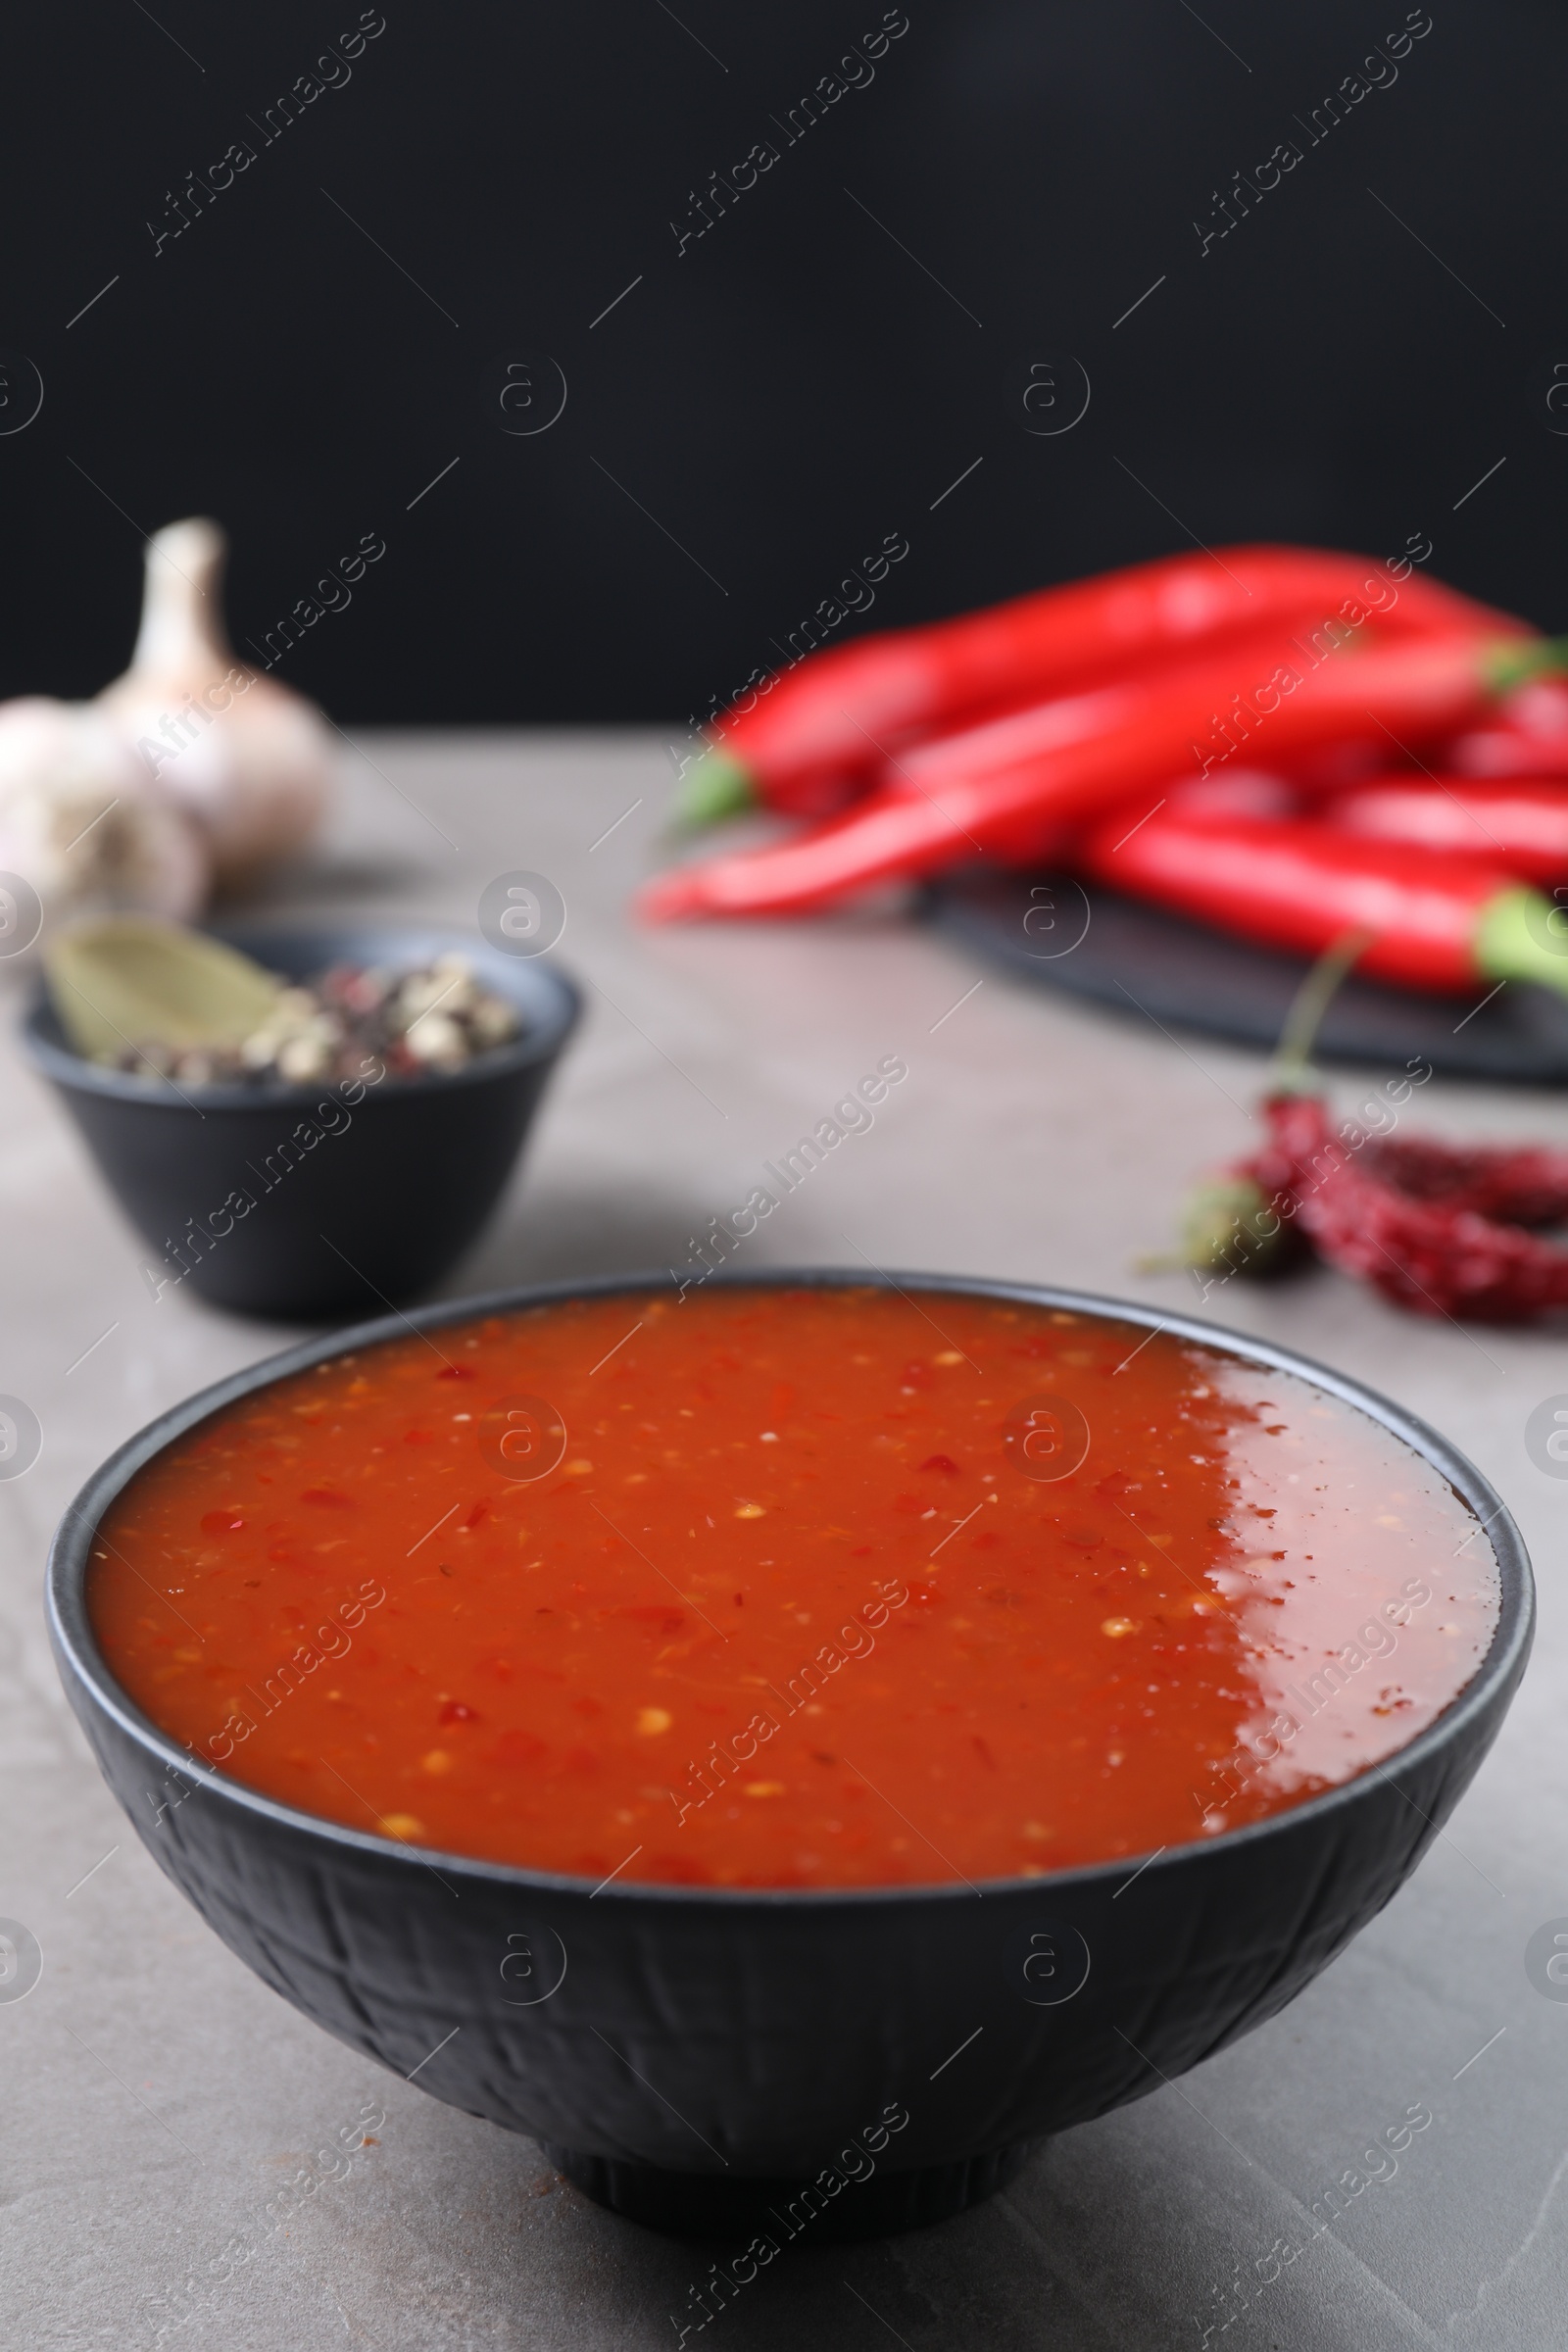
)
(355, 1197)
(695, 2057)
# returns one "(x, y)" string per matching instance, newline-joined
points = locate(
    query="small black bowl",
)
(754, 2063)
(357, 1196)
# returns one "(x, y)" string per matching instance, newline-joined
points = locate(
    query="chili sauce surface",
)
(792, 1588)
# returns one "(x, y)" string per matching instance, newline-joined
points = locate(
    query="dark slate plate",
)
(1094, 944)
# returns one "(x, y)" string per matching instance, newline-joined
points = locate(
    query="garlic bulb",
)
(250, 759)
(80, 822)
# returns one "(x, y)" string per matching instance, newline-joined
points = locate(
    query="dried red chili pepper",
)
(1440, 1228)
(1435, 1257)
(1514, 1184)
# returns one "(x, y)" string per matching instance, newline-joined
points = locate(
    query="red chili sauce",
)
(792, 1588)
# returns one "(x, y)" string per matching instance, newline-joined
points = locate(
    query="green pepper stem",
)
(1516, 662)
(1293, 1073)
(1523, 935)
(717, 787)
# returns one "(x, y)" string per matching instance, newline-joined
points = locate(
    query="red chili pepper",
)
(1522, 826)
(1232, 791)
(1434, 919)
(1432, 1256)
(1528, 738)
(806, 739)
(1007, 789)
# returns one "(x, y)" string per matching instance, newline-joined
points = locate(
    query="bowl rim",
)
(70, 1629)
(556, 1016)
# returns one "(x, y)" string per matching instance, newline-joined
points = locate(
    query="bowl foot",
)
(718, 2207)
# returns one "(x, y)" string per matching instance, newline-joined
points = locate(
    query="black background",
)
(795, 386)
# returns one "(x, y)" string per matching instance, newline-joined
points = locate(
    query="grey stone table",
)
(164, 2114)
